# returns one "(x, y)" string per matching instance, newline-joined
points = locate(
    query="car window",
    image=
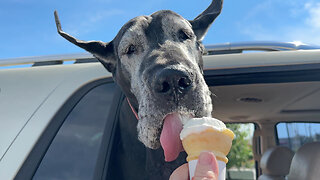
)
(74, 150)
(294, 135)
(241, 164)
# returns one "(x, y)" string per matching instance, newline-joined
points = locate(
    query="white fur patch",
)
(134, 36)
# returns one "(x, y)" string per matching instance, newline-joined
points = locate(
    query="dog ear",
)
(201, 23)
(102, 51)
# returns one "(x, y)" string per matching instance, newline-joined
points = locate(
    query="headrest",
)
(276, 161)
(306, 163)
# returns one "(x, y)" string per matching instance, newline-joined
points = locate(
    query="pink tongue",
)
(170, 137)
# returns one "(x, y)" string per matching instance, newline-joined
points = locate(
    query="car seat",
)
(306, 163)
(275, 163)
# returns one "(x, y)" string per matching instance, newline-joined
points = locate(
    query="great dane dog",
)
(157, 62)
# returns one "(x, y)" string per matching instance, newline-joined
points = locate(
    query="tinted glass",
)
(294, 135)
(74, 151)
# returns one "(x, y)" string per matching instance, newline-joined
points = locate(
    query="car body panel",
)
(24, 120)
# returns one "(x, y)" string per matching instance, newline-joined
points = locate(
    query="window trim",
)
(105, 151)
(32, 162)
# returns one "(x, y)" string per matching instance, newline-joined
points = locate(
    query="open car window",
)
(241, 163)
(294, 135)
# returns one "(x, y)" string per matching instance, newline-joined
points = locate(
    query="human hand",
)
(207, 169)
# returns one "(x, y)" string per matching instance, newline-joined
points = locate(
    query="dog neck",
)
(132, 160)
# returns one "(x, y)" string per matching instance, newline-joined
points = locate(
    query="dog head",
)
(157, 62)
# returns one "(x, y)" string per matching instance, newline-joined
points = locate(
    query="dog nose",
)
(170, 81)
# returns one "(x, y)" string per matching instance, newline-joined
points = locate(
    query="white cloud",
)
(90, 21)
(258, 32)
(309, 32)
(306, 28)
(314, 11)
(102, 15)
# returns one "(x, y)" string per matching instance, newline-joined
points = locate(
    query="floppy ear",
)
(102, 51)
(201, 23)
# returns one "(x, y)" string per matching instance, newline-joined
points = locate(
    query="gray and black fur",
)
(157, 62)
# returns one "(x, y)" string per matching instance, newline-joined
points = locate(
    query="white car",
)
(58, 114)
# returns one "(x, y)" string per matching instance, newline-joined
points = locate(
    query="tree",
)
(240, 154)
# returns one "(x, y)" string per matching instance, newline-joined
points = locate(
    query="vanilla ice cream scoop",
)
(197, 125)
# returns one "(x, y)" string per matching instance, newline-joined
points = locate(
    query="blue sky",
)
(28, 29)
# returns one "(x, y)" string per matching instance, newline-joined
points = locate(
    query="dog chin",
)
(149, 130)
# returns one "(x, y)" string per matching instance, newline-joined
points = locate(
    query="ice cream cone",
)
(218, 142)
(206, 134)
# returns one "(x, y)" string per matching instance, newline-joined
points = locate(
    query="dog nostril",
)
(184, 82)
(165, 87)
(171, 81)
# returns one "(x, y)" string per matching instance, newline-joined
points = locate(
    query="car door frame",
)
(32, 162)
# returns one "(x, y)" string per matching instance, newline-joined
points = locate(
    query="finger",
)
(207, 167)
(181, 173)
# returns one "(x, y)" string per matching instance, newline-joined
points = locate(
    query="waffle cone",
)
(218, 142)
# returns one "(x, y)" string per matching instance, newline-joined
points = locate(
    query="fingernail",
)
(205, 159)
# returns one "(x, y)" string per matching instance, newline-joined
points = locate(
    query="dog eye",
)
(131, 49)
(183, 35)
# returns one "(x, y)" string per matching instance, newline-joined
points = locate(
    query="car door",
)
(77, 142)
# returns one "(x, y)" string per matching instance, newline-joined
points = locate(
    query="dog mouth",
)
(161, 120)
(170, 135)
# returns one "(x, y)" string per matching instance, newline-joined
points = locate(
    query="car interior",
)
(266, 105)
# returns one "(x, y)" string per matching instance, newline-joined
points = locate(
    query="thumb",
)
(180, 173)
(207, 167)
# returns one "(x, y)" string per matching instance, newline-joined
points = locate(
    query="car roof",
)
(261, 59)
